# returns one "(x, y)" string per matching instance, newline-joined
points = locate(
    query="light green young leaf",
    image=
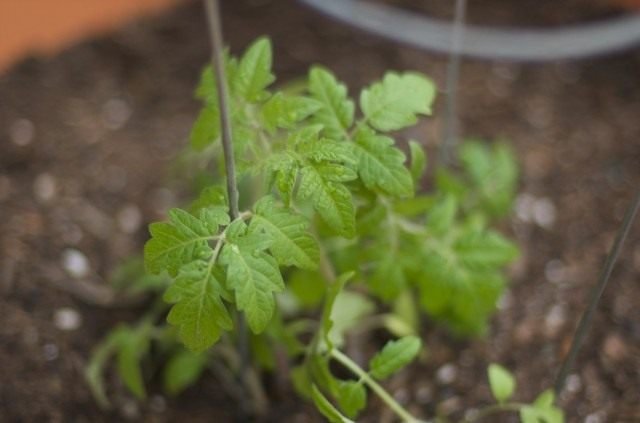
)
(252, 274)
(381, 165)
(394, 356)
(292, 244)
(542, 410)
(132, 347)
(485, 249)
(418, 160)
(206, 129)
(352, 397)
(348, 309)
(254, 72)
(285, 111)
(501, 382)
(199, 312)
(442, 215)
(330, 199)
(394, 102)
(182, 370)
(328, 313)
(326, 408)
(336, 114)
(181, 240)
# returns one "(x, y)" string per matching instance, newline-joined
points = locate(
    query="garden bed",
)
(87, 139)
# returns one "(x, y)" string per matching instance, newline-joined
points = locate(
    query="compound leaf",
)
(394, 356)
(292, 244)
(285, 111)
(336, 113)
(394, 102)
(254, 72)
(199, 312)
(381, 165)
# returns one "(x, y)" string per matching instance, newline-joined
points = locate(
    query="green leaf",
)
(328, 314)
(545, 399)
(132, 347)
(285, 111)
(182, 370)
(418, 160)
(326, 408)
(292, 244)
(388, 279)
(394, 356)
(206, 129)
(394, 102)
(542, 410)
(485, 249)
(284, 169)
(253, 275)
(254, 72)
(501, 382)
(331, 200)
(336, 114)
(352, 397)
(442, 215)
(348, 309)
(381, 165)
(181, 240)
(199, 312)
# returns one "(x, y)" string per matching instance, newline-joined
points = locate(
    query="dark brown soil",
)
(86, 140)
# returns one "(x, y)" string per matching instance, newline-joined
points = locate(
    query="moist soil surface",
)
(87, 139)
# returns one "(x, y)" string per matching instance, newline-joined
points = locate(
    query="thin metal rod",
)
(217, 59)
(215, 32)
(596, 293)
(453, 77)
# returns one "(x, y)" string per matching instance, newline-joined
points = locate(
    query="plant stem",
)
(596, 293)
(375, 387)
(493, 409)
(453, 76)
(217, 59)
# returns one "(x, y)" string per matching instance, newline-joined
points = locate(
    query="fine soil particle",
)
(87, 139)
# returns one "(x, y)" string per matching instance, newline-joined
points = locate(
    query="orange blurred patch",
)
(45, 27)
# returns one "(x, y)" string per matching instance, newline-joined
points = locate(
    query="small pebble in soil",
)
(50, 352)
(401, 395)
(75, 263)
(67, 319)
(44, 187)
(614, 347)
(544, 213)
(130, 410)
(573, 383)
(158, 404)
(524, 207)
(22, 132)
(555, 320)
(129, 219)
(450, 405)
(115, 113)
(424, 394)
(447, 374)
(594, 418)
(555, 271)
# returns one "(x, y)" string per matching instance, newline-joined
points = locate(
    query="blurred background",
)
(96, 103)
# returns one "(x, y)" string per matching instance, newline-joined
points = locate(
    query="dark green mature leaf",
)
(199, 312)
(252, 274)
(330, 199)
(381, 165)
(394, 356)
(181, 240)
(352, 397)
(182, 370)
(254, 72)
(501, 382)
(336, 114)
(292, 244)
(206, 129)
(326, 408)
(394, 102)
(285, 111)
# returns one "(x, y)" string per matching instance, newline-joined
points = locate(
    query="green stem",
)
(493, 409)
(374, 386)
